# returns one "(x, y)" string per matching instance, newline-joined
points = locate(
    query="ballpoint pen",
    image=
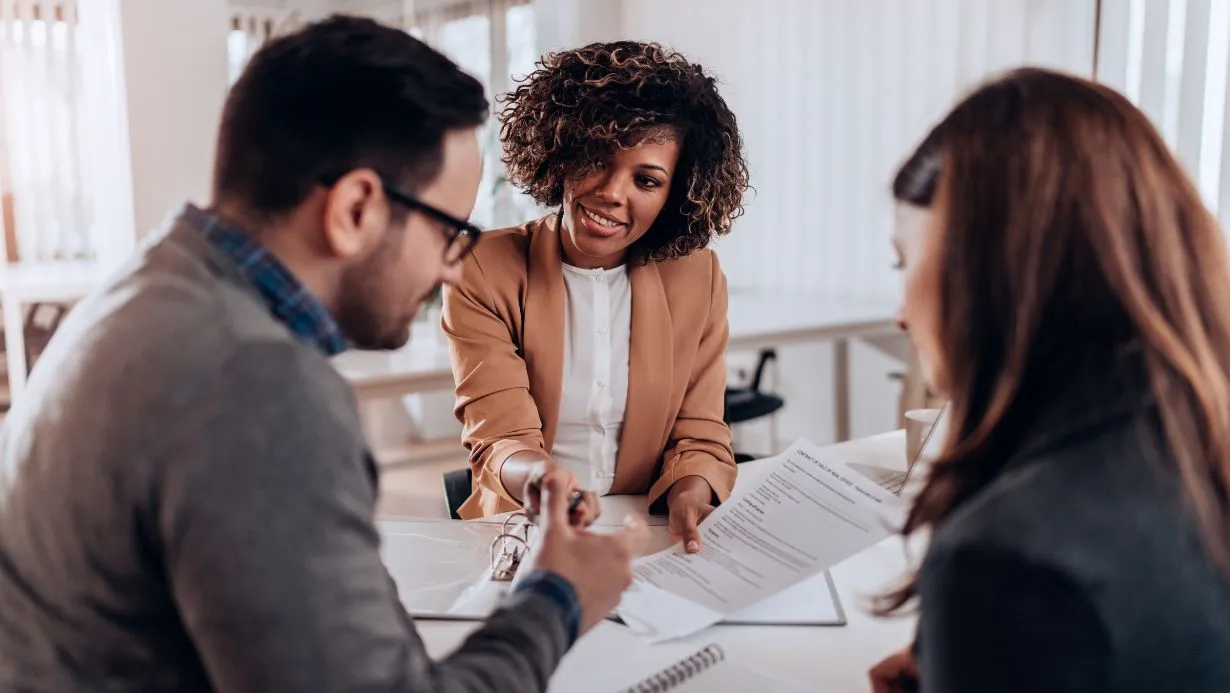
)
(575, 503)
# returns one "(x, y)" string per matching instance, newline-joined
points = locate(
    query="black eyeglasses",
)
(462, 236)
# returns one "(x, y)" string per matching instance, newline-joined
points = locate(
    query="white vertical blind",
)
(43, 181)
(1153, 71)
(1192, 64)
(1214, 179)
(107, 153)
(494, 40)
(1171, 57)
(251, 27)
(831, 96)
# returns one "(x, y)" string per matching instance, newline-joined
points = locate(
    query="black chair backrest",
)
(458, 485)
(765, 356)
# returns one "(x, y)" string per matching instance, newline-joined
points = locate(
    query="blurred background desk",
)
(758, 320)
(26, 285)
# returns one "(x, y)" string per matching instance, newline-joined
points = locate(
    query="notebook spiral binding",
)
(681, 672)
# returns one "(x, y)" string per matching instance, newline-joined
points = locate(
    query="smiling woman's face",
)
(611, 207)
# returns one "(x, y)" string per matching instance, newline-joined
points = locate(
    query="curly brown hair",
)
(567, 117)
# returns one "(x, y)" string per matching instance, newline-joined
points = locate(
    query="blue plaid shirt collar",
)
(287, 298)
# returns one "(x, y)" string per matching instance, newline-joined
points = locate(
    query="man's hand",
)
(896, 674)
(587, 510)
(689, 502)
(599, 566)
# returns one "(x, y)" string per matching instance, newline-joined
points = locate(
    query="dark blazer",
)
(1080, 566)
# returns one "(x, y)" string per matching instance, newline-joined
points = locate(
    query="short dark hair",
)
(572, 112)
(339, 94)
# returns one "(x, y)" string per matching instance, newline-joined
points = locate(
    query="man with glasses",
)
(186, 498)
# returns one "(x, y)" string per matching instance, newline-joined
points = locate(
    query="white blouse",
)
(597, 333)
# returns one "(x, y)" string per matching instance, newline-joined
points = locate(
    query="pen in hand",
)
(574, 502)
(573, 505)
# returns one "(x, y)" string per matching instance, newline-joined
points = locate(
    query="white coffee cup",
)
(918, 423)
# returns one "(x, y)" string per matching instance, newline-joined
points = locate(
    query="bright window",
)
(1172, 58)
(494, 40)
(44, 198)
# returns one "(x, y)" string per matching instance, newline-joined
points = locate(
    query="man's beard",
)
(368, 305)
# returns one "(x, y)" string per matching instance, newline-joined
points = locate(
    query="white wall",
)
(174, 83)
(572, 23)
(831, 96)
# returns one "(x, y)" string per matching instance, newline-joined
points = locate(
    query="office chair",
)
(749, 403)
(458, 485)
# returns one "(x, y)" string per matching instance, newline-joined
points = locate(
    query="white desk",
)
(829, 657)
(420, 366)
(757, 320)
(760, 320)
(39, 282)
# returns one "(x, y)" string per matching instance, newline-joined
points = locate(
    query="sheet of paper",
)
(438, 565)
(612, 658)
(812, 602)
(806, 514)
(732, 677)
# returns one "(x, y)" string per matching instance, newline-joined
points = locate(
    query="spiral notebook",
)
(612, 659)
(709, 670)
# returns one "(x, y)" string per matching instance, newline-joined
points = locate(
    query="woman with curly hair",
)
(593, 339)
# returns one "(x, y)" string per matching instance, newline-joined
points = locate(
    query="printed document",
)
(808, 512)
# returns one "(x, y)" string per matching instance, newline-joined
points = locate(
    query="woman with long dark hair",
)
(1068, 291)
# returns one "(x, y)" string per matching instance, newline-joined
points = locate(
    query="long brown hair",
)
(1069, 231)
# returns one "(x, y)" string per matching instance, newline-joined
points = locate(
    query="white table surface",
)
(831, 658)
(420, 366)
(758, 319)
(39, 282)
(69, 280)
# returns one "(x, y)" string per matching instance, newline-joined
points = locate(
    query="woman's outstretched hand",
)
(689, 502)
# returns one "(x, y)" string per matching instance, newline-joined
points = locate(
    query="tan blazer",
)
(505, 323)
